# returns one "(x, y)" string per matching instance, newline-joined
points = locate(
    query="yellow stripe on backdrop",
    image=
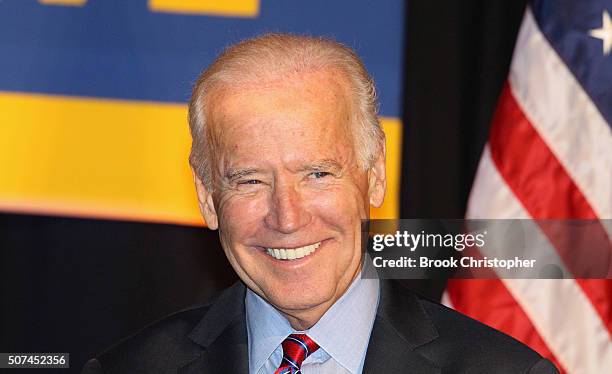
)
(225, 8)
(113, 159)
(63, 2)
(228, 8)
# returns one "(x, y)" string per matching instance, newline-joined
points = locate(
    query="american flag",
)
(549, 155)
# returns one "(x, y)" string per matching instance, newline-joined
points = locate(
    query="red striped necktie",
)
(296, 347)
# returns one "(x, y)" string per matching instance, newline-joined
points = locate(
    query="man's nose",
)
(287, 213)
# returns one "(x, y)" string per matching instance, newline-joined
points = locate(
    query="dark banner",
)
(488, 249)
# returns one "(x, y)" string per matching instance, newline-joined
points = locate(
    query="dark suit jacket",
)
(410, 335)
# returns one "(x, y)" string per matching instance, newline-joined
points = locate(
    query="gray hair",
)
(269, 57)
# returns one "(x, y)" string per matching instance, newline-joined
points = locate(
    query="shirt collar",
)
(353, 312)
(266, 329)
(344, 330)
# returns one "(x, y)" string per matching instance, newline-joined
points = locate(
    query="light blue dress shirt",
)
(342, 332)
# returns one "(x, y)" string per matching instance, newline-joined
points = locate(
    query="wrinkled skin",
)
(286, 175)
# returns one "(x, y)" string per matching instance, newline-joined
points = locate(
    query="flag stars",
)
(604, 32)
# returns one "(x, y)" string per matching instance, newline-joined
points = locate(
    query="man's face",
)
(288, 180)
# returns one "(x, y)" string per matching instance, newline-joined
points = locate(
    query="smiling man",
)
(288, 156)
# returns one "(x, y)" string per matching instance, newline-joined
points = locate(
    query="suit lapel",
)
(400, 327)
(223, 335)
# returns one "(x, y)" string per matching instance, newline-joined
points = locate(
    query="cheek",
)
(340, 206)
(241, 215)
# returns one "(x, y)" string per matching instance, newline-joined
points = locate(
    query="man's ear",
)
(205, 201)
(377, 178)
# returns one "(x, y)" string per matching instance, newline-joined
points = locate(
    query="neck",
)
(303, 320)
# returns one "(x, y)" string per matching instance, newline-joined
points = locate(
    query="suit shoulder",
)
(160, 347)
(470, 343)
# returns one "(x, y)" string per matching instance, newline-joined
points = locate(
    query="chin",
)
(299, 299)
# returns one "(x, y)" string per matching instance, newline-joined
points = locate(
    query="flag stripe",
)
(528, 167)
(549, 157)
(559, 309)
(582, 320)
(466, 296)
(500, 203)
(564, 117)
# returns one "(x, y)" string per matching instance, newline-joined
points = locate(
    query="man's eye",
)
(319, 174)
(250, 181)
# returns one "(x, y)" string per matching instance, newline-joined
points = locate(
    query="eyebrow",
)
(326, 164)
(234, 174)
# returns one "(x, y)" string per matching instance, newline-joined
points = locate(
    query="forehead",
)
(293, 120)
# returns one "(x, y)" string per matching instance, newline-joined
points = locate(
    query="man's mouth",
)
(292, 253)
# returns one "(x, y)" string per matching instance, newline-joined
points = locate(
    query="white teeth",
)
(292, 253)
